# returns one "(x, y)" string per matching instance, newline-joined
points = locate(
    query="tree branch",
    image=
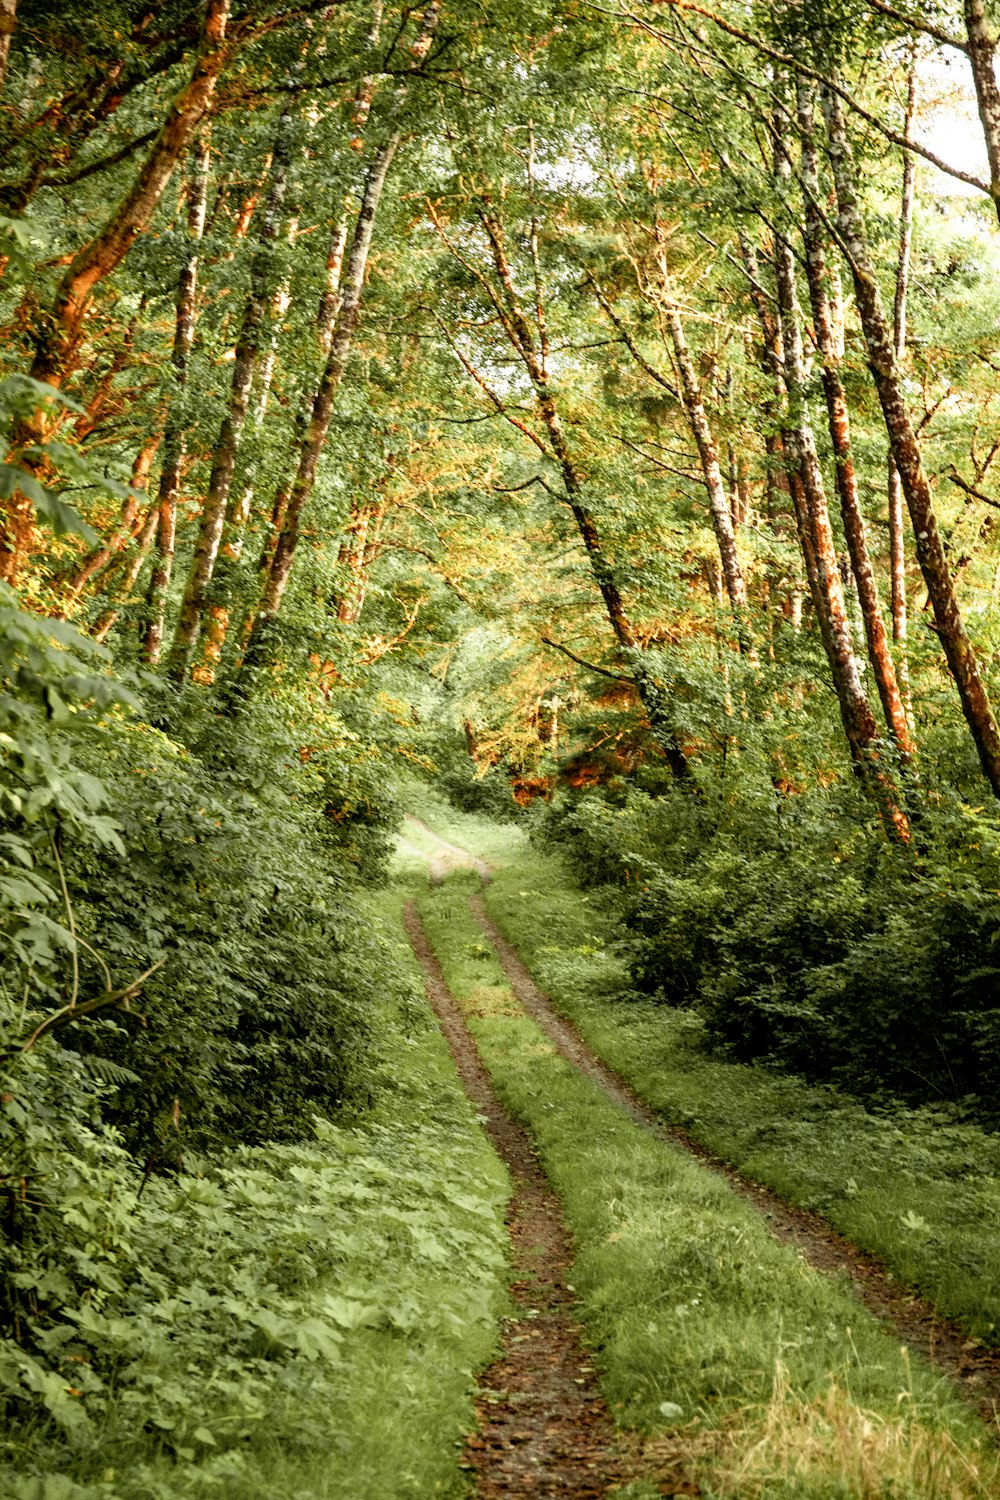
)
(786, 60)
(100, 1002)
(535, 479)
(969, 489)
(590, 666)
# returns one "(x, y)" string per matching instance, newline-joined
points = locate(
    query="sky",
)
(948, 123)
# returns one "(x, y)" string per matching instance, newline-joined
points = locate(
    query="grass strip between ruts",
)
(695, 1314)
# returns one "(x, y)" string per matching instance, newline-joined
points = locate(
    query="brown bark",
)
(275, 580)
(358, 552)
(781, 480)
(174, 434)
(58, 343)
(127, 582)
(107, 249)
(124, 532)
(855, 531)
(722, 520)
(897, 550)
(68, 122)
(820, 554)
(245, 364)
(239, 509)
(8, 20)
(981, 53)
(931, 556)
(325, 325)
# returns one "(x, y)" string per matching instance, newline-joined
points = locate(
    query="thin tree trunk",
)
(860, 727)
(127, 582)
(722, 520)
(897, 549)
(230, 434)
(360, 550)
(125, 530)
(780, 477)
(326, 322)
(238, 512)
(276, 578)
(879, 651)
(931, 556)
(174, 444)
(8, 20)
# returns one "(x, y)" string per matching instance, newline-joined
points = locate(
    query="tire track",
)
(544, 1429)
(942, 1343)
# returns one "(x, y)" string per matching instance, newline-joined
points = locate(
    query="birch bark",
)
(931, 556)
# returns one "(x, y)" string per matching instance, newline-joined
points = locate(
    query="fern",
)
(109, 1072)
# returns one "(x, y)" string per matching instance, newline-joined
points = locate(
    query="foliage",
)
(802, 939)
(242, 884)
(280, 1301)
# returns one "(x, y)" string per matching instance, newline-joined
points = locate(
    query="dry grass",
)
(832, 1447)
(491, 1000)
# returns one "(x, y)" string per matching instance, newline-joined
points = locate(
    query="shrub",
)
(803, 938)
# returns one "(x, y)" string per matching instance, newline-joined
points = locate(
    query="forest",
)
(499, 749)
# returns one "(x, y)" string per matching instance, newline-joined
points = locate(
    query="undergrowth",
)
(302, 1319)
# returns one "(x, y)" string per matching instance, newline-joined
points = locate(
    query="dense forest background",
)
(592, 408)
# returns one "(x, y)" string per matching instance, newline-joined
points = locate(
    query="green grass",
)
(319, 1314)
(499, 843)
(696, 1315)
(910, 1186)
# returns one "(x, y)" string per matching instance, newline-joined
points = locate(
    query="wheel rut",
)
(942, 1343)
(544, 1429)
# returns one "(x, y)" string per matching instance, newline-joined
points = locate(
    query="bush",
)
(225, 858)
(804, 939)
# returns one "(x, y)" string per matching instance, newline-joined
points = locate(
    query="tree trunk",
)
(125, 530)
(326, 322)
(227, 445)
(127, 582)
(174, 434)
(879, 652)
(931, 555)
(238, 512)
(981, 54)
(59, 339)
(358, 551)
(820, 553)
(276, 578)
(722, 520)
(897, 550)
(105, 252)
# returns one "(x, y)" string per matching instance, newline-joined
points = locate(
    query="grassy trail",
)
(542, 1424)
(753, 1373)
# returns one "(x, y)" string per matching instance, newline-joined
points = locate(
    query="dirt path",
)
(447, 857)
(543, 1426)
(942, 1343)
